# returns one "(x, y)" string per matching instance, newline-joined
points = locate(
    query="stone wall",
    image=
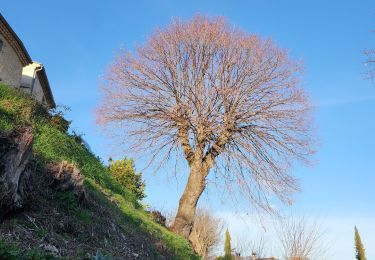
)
(10, 65)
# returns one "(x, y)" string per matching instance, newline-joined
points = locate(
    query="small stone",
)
(51, 248)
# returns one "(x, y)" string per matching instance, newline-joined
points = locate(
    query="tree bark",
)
(196, 184)
(15, 170)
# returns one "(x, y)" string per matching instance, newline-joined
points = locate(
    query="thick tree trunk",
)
(15, 171)
(196, 184)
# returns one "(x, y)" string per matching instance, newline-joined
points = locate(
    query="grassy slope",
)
(52, 145)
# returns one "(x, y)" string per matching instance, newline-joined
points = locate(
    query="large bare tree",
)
(222, 98)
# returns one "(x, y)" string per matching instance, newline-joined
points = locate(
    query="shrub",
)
(60, 122)
(124, 172)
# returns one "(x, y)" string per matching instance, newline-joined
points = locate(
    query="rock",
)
(51, 248)
(15, 168)
(67, 177)
(135, 255)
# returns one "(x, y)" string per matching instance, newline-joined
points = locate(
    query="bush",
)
(124, 172)
(60, 122)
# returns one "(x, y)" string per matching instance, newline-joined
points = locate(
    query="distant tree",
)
(206, 232)
(227, 246)
(225, 100)
(244, 245)
(359, 249)
(301, 239)
(124, 172)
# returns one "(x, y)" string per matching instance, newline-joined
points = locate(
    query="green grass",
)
(53, 145)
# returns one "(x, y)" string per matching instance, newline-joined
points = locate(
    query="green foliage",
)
(359, 249)
(11, 252)
(37, 254)
(52, 145)
(138, 220)
(227, 246)
(58, 121)
(8, 251)
(42, 232)
(16, 108)
(67, 200)
(124, 172)
(84, 216)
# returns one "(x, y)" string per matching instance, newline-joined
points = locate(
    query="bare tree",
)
(206, 232)
(301, 239)
(245, 246)
(226, 100)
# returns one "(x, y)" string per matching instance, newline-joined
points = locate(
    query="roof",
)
(42, 76)
(15, 42)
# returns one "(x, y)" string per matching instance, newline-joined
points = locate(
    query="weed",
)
(37, 254)
(84, 216)
(67, 200)
(100, 256)
(41, 232)
(8, 251)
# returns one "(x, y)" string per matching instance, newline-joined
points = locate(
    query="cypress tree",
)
(360, 250)
(227, 246)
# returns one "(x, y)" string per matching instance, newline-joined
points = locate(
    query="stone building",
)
(18, 70)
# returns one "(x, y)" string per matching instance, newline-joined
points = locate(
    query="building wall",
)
(38, 91)
(28, 75)
(10, 65)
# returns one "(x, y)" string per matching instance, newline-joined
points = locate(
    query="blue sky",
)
(76, 40)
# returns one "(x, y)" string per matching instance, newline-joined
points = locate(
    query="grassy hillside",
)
(110, 221)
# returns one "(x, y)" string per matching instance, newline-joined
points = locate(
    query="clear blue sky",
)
(76, 40)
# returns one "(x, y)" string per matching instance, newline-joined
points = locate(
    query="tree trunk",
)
(196, 184)
(15, 170)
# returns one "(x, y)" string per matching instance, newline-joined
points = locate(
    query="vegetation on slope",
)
(110, 218)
